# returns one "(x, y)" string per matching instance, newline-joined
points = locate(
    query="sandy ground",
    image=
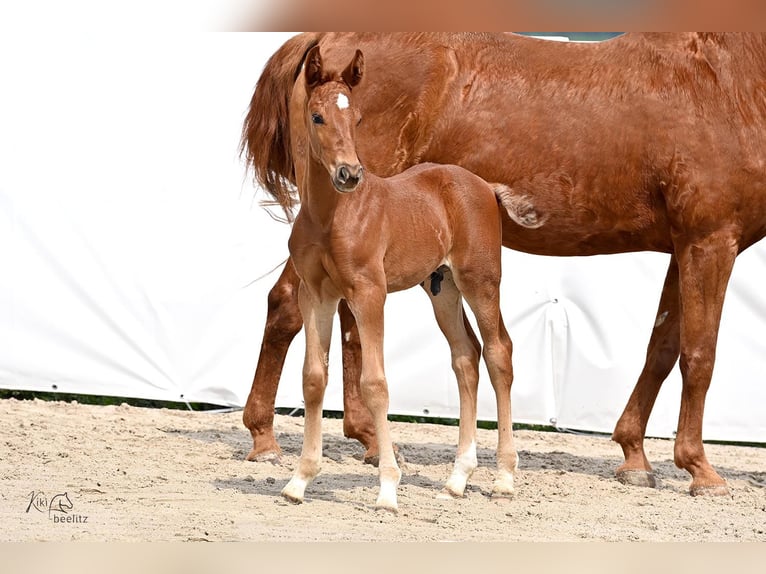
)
(134, 474)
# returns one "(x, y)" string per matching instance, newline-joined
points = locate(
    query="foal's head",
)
(331, 119)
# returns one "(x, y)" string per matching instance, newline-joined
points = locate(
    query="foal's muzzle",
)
(347, 177)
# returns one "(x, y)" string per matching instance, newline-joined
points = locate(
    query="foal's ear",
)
(313, 70)
(353, 73)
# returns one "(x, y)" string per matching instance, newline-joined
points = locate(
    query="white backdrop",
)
(133, 251)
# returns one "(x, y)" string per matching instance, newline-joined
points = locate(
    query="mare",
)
(432, 223)
(645, 142)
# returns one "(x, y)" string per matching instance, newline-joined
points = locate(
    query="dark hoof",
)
(372, 459)
(713, 490)
(272, 457)
(637, 478)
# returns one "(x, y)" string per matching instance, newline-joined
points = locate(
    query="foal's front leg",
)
(367, 305)
(318, 315)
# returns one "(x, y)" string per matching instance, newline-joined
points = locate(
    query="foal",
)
(434, 225)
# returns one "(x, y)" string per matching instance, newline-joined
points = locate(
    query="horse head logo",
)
(60, 503)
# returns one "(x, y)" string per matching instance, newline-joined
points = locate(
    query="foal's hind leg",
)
(661, 356)
(465, 350)
(483, 295)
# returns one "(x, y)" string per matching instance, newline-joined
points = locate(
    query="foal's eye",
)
(317, 119)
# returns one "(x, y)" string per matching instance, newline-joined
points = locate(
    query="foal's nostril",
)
(347, 177)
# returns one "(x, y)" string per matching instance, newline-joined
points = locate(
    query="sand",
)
(137, 474)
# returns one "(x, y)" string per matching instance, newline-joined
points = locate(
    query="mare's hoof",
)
(272, 457)
(636, 478)
(374, 459)
(711, 490)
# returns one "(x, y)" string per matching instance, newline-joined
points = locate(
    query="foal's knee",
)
(314, 384)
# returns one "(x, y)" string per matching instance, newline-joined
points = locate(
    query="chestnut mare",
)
(392, 234)
(644, 142)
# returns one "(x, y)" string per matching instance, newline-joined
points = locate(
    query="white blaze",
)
(342, 101)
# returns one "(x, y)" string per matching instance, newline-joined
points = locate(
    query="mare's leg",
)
(366, 303)
(483, 295)
(357, 421)
(465, 350)
(705, 266)
(283, 322)
(661, 356)
(318, 326)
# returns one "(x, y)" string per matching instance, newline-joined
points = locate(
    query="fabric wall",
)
(135, 257)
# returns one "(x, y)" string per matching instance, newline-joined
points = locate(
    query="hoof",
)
(712, 490)
(449, 494)
(502, 488)
(271, 456)
(374, 459)
(292, 499)
(501, 492)
(501, 495)
(387, 508)
(387, 496)
(636, 478)
(294, 490)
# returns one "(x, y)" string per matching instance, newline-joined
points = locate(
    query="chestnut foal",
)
(434, 225)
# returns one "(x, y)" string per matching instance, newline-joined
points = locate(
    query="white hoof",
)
(387, 505)
(503, 486)
(457, 482)
(447, 493)
(387, 497)
(465, 464)
(294, 490)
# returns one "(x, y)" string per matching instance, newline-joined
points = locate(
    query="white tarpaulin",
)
(132, 250)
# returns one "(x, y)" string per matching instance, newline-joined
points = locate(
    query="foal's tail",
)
(265, 140)
(519, 207)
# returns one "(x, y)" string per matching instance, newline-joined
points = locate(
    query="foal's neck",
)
(320, 198)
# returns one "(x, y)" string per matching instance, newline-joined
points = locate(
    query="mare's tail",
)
(265, 141)
(519, 207)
